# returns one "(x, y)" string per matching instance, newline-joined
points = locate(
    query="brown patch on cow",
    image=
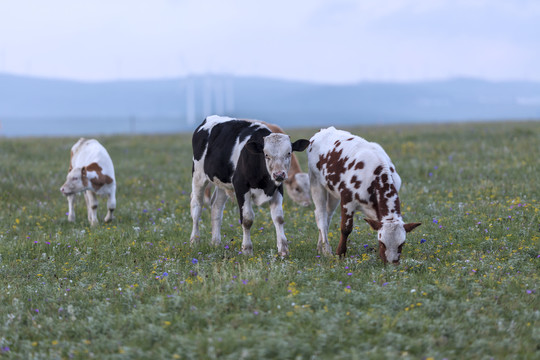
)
(280, 220)
(397, 206)
(359, 166)
(392, 169)
(84, 178)
(337, 143)
(356, 182)
(335, 165)
(349, 139)
(357, 198)
(346, 194)
(351, 164)
(382, 251)
(94, 207)
(346, 229)
(380, 192)
(101, 179)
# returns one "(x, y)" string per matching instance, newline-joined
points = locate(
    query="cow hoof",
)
(108, 218)
(283, 253)
(71, 218)
(324, 250)
(195, 240)
(216, 242)
(247, 252)
(94, 223)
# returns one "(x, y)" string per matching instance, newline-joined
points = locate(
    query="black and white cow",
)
(243, 159)
(359, 173)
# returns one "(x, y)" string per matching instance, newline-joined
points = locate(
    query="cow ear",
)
(255, 147)
(375, 225)
(300, 145)
(411, 226)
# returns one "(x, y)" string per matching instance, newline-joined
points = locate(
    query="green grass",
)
(467, 287)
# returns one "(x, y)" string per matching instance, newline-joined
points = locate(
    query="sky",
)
(325, 41)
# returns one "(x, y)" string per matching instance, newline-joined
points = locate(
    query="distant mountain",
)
(287, 103)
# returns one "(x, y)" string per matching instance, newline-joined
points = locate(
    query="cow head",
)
(298, 189)
(76, 181)
(277, 150)
(391, 238)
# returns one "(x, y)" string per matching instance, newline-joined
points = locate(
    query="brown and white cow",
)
(246, 160)
(347, 168)
(297, 183)
(90, 170)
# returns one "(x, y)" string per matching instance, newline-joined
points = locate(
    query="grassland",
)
(467, 287)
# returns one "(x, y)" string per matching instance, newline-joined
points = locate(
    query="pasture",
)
(467, 286)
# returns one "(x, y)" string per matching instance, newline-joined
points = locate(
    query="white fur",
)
(278, 150)
(84, 153)
(326, 198)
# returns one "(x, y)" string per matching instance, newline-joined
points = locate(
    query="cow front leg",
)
(276, 210)
(218, 204)
(111, 206)
(91, 206)
(320, 197)
(197, 193)
(71, 207)
(346, 228)
(246, 217)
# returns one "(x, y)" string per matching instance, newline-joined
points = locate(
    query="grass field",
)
(467, 286)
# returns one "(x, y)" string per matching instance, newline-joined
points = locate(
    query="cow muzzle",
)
(280, 176)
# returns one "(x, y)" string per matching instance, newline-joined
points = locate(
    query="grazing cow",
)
(347, 168)
(90, 170)
(297, 183)
(245, 159)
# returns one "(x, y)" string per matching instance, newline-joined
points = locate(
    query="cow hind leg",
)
(320, 198)
(346, 229)
(276, 210)
(111, 206)
(91, 205)
(197, 193)
(71, 207)
(218, 204)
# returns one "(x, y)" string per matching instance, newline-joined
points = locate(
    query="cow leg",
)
(71, 207)
(91, 205)
(197, 193)
(276, 210)
(111, 205)
(347, 214)
(218, 204)
(246, 212)
(319, 195)
(331, 205)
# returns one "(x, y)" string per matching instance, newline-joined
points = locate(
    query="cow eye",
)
(267, 156)
(75, 178)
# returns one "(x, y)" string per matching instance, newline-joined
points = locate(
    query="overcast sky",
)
(335, 41)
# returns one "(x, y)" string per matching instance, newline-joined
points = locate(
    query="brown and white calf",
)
(347, 168)
(90, 170)
(246, 160)
(297, 183)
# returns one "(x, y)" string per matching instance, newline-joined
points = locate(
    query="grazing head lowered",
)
(359, 174)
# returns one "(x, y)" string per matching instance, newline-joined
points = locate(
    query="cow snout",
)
(280, 176)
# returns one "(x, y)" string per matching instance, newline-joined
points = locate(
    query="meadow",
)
(467, 286)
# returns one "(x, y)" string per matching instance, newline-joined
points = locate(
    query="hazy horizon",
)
(316, 41)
